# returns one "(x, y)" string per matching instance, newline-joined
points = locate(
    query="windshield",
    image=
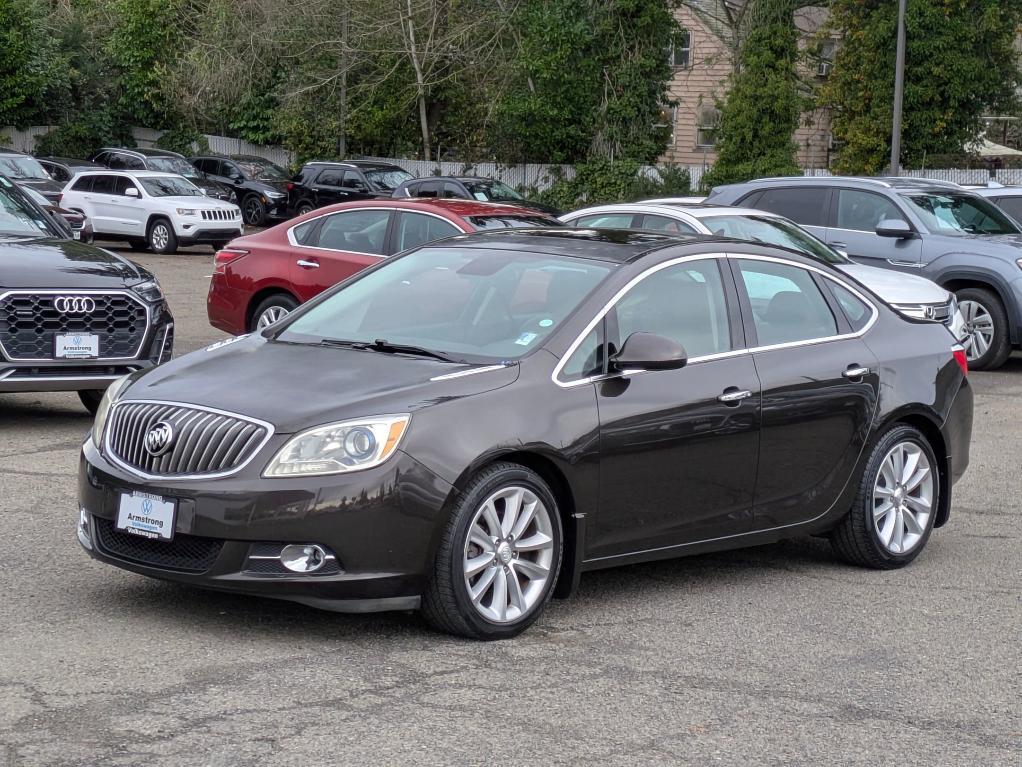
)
(959, 213)
(471, 304)
(169, 186)
(18, 217)
(773, 231)
(22, 167)
(389, 179)
(173, 165)
(261, 170)
(491, 190)
(512, 222)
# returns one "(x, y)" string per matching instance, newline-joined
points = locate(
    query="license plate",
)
(149, 516)
(76, 234)
(76, 346)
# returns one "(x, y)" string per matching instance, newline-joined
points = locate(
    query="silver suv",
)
(940, 230)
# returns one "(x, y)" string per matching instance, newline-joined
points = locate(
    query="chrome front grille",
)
(205, 443)
(218, 214)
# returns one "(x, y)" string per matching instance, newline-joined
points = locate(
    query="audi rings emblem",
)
(159, 438)
(74, 304)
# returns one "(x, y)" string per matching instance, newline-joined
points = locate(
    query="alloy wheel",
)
(270, 315)
(979, 328)
(160, 237)
(509, 553)
(253, 212)
(903, 496)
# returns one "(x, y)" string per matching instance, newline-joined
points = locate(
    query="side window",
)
(803, 205)
(786, 304)
(605, 220)
(685, 302)
(857, 312)
(416, 228)
(84, 184)
(329, 177)
(359, 231)
(453, 191)
(105, 185)
(123, 184)
(429, 189)
(862, 211)
(229, 169)
(1010, 205)
(133, 163)
(665, 224)
(102, 158)
(58, 173)
(586, 360)
(206, 166)
(353, 180)
(303, 233)
(115, 161)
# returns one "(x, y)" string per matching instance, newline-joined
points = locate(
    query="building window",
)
(679, 54)
(706, 127)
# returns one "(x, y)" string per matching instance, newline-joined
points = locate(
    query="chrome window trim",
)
(720, 355)
(291, 237)
(52, 292)
(111, 456)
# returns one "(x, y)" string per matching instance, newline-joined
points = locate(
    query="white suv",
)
(147, 208)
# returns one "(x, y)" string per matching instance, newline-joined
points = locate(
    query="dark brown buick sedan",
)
(469, 426)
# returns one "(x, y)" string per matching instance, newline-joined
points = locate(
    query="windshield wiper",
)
(385, 346)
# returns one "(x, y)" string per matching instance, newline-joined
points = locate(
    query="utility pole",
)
(899, 88)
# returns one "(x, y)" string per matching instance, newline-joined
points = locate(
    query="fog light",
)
(302, 558)
(84, 532)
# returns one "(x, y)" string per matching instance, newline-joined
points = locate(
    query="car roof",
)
(141, 152)
(71, 162)
(101, 171)
(696, 210)
(615, 245)
(997, 191)
(8, 150)
(893, 183)
(365, 164)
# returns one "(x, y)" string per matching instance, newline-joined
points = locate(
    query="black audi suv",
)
(73, 317)
(469, 426)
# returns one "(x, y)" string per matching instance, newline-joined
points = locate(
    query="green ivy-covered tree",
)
(760, 114)
(959, 63)
(25, 62)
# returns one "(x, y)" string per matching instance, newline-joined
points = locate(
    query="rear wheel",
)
(90, 399)
(271, 309)
(499, 557)
(893, 514)
(987, 344)
(162, 239)
(303, 207)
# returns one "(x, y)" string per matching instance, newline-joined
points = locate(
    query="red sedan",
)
(259, 278)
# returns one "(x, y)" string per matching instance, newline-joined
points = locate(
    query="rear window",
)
(511, 222)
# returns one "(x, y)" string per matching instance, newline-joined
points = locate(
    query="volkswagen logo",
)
(159, 439)
(74, 304)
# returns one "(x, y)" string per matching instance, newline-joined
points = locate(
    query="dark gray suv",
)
(940, 230)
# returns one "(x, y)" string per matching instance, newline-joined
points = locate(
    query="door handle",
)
(855, 372)
(307, 264)
(733, 395)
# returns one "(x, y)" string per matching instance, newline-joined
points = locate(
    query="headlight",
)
(1019, 262)
(186, 211)
(915, 311)
(109, 398)
(232, 197)
(150, 290)
(276, 195)
(339, 447)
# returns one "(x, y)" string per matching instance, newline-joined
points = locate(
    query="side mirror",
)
(131, 192)
(893, 227)
(648, 351)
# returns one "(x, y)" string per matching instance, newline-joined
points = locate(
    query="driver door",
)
(679, 449)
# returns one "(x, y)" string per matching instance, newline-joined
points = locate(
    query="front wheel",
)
(893, 514)
(162, 239)
(499, 556)
(986, 342)
(253, 211)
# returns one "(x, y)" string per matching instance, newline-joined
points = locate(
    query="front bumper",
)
(382, 526)
(91, 374)
(196, 234)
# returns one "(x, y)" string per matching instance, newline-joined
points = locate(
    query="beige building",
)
(702, 60)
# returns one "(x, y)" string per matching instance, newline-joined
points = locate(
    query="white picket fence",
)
(521, 176)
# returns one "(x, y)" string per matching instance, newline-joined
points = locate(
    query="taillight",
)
(290, 186)
(225, 256)
(961, 359)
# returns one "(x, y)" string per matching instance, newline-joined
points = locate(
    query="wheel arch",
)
(261, 295)
(154, 217)
(929, 425)
(960, 279)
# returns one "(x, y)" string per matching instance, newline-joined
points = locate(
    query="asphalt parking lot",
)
(771, 655)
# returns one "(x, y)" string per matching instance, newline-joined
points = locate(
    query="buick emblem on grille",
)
(159, 438)
(74, 304)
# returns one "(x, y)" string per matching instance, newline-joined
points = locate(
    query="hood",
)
(542, 207)
(274, 381)
(47, 187)
(200, 203)
(276, 186)
(208, 185)
(897, 287)
(53, 263)
(986, 244)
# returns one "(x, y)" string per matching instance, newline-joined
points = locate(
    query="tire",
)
(138, 244)
(253, 211)
(860, 537)
(271, 309)
(987, 322)
(219, 245)
(161, 237)
(304, 207)
(495, 613)
(90, 399)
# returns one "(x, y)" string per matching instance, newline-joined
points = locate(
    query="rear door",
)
(106, 205)
(854, 216)
(328, 187)
(820, 386)
(805, 205)
(329, 249)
